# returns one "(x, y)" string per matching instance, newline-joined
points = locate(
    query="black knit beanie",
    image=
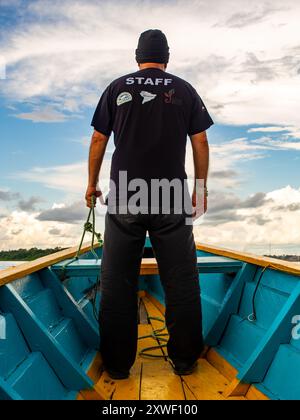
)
(152, 47)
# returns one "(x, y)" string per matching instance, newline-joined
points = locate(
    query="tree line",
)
(27, 254)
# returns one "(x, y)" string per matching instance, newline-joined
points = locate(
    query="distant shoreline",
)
(291, 258)
(24, 255)
(27, 254)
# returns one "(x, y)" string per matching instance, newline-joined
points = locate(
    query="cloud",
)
(16, 232)
(73, 213)
(293, 132)
(254, 201)
(29, 205)
(21, 227)
(46, 115)
(275, 129)
(229, 202)
(261, 218)
(253, 223)
(244, 79)
(242, 19)
(70, 178)
(290, 207)
(54, 231)
(278, 144)
(6, 195)
(223, 174)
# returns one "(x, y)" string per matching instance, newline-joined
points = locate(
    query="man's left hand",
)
(199, 203)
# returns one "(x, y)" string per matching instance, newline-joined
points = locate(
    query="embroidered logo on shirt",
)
(147, 96)
(123, 98)
(170, 99)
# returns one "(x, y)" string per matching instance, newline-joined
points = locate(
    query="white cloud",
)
(243, 58)
(225, 158)
(48, 114)
(262, 219)
(275, 222)
(293, 132)
(21, 229)
(268, 129)
(70, 178)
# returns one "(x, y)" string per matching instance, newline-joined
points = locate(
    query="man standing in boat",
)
(151, 113)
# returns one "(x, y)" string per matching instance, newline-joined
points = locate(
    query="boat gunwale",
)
(11, 274)
(269, 262)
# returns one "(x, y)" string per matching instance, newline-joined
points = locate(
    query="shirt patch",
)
(171, 99)
(147, 96)
(123, 98)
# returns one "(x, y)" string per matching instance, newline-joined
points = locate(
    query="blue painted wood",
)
(87, 307)
(91, 268)
(23, 374)
(13, 350)
(230, 304)
(279, 281)
(154, 287)
(148, 242)
(45, 307)
(283, 377)
(220, 295)
(214, 286)
(279, 333)
(69, 307)
(33, 379)
(7, 393)
(40, 339)
(67, 336)
(79, 289)
(240, 338)
(265, 298)
(28, 286)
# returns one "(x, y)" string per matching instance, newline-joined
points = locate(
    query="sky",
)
(56, 58)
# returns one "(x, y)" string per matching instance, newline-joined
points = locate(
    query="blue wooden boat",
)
(49, 335)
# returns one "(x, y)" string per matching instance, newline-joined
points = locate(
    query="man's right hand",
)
(90, 192)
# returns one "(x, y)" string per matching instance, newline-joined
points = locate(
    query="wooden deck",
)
(153, 379)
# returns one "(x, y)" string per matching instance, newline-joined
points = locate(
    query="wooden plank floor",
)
(153, 378)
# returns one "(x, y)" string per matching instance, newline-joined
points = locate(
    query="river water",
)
(6, 264)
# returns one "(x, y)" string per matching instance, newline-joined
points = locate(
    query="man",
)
(151, 113)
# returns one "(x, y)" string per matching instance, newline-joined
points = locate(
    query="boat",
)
(49, 336)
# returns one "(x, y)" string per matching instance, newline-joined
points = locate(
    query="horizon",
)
(244, 61)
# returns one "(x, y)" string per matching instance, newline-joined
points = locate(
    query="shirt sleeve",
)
(200, 119)
(102, 119)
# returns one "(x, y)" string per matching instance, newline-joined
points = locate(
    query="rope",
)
(158, 335)
(252, 317)
(87, 227)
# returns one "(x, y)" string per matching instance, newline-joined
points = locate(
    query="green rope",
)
(157, 335)
(87, 227)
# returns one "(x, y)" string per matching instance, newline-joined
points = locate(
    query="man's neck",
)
(143, 66)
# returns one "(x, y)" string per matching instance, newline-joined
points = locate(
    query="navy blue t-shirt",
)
(151, 113)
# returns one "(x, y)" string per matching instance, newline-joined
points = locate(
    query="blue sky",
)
(244, 60)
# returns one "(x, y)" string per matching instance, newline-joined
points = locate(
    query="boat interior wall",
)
(52, 334)
(50, 339)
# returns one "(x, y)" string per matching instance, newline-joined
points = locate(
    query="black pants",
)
(174, 248)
